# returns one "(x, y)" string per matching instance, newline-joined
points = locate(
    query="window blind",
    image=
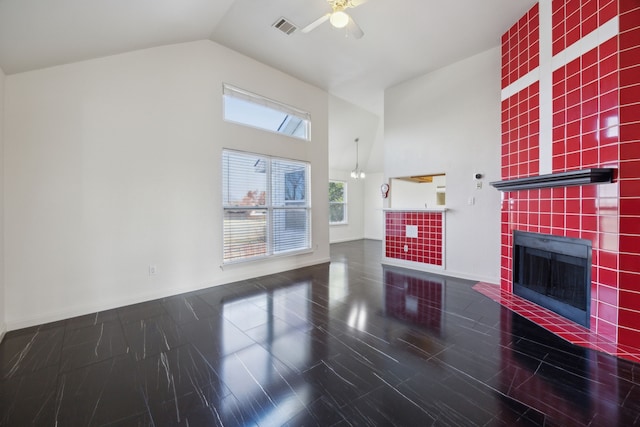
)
(266, 206)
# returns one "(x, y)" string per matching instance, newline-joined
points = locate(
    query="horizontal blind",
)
(244, 179)
(244, 195)
(289, 192)
(245, 234)
(266, 206)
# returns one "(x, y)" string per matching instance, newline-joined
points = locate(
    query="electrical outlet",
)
(406, 248)
(153, 270)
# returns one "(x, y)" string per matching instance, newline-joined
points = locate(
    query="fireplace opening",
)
(554, 272)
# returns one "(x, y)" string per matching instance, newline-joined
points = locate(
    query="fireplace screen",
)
(554, 272)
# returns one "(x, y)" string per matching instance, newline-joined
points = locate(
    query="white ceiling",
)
(403, 38)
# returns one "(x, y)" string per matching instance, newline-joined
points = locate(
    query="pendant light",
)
(357, 173)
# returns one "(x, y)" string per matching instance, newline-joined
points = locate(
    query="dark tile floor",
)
(350, 343)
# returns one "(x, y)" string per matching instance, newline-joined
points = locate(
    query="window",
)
(266, 204)
(337, 202)
(253, 110)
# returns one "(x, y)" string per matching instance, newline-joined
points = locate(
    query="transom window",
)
(266, 205)
(249, 109)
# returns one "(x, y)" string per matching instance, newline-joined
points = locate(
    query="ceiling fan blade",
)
(316, 23)
(354, 29)
(356, 3)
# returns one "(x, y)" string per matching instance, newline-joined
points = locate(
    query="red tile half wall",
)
(426, 248)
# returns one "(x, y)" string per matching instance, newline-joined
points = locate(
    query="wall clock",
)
(384, 189)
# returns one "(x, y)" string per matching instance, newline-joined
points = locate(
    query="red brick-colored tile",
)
(630, 337)
(629, 113)
(629, 244)
(629, 300)
(629, 281)
(607, 312)
(630, 38)
(630, 262)
(606, 330)
(627, 6)
(630, 131)
(629, 76)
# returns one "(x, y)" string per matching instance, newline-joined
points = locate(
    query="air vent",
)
(285, 26)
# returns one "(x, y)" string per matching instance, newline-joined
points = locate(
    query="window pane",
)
(336, 212)
(336, 191)
(245, 233)
(290, 230)
(261, 219)
(256, 111)
(288, 183)
(337, 202)
(244, 179)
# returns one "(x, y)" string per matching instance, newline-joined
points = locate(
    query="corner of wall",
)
(3, 323)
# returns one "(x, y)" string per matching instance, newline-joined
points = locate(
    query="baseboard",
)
(438, 270)
(484, 279)
(3, 331)
(350, 239)
(82, 310)
(355, 240)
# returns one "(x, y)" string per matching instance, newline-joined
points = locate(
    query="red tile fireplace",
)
(571, 103)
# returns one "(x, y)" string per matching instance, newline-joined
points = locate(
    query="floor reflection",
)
(346, 343)
(414, 298)
(571, 384)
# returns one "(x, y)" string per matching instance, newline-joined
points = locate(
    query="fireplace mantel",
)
(562, 179)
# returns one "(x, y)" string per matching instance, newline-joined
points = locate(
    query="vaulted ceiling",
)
(402, 38)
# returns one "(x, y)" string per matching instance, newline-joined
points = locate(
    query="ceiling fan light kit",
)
(338, 18)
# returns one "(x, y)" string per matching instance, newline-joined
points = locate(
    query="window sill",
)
(266, 257)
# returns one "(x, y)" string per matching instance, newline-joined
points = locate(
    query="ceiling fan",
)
(339, 18)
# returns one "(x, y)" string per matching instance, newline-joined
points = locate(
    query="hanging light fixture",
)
(339, 19)
(357, 173)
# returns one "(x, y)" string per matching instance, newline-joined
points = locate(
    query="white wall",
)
(112, 165)
(373, 228)
(354, 229)
(449, 121)
(348, 122)
(3, 326)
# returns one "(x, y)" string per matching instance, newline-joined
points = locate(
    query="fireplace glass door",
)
(554, 272)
